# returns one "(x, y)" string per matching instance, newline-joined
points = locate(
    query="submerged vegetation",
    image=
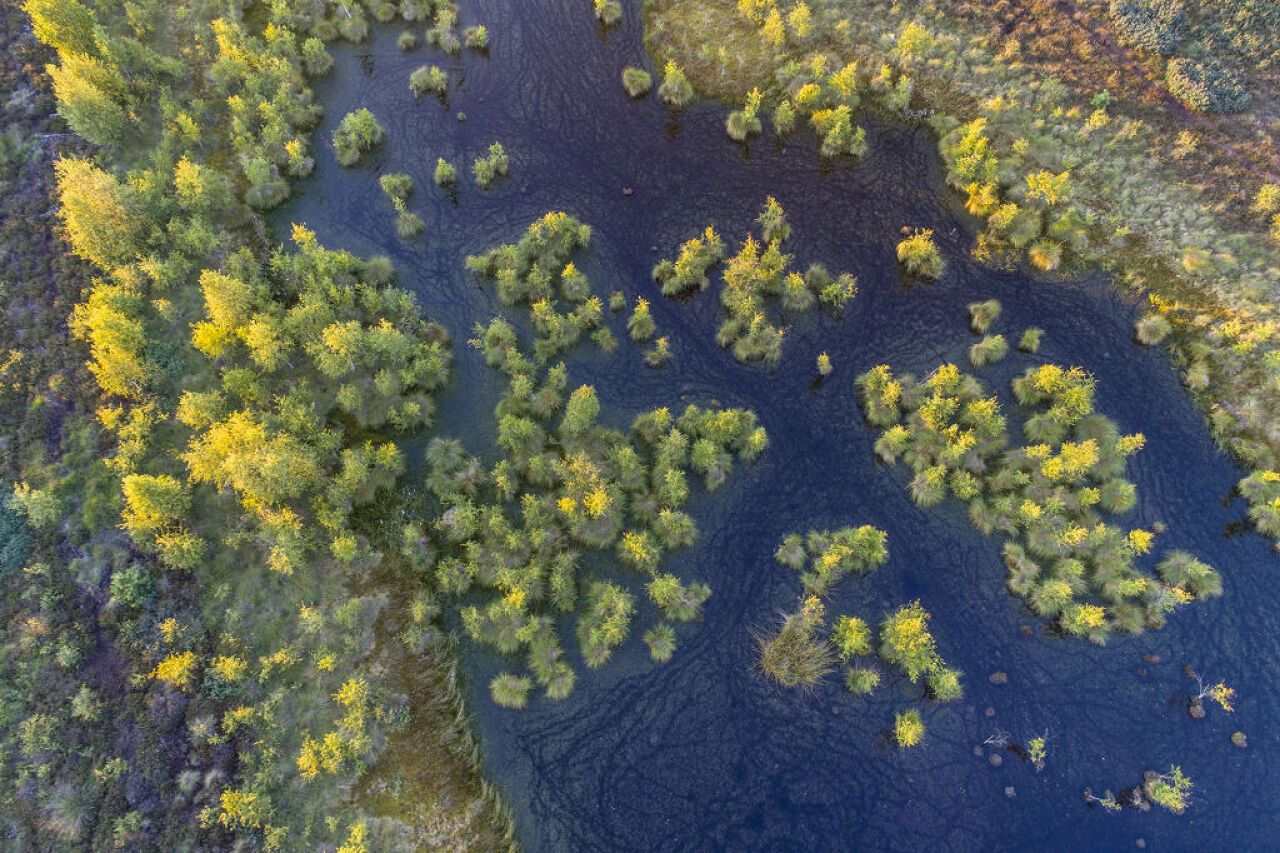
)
(752, 279)
(1046, 495)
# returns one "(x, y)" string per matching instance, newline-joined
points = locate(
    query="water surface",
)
(701, 753)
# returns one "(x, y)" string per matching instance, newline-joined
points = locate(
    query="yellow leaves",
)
(772, 29)
(321, 756)
(1049, 187)
(280, 659)
(597, 502)
(242, 809)
(908, 729)
(303, 236)
(1030, 510)
(1074, 535)
(800, 19)
(1073, 461)
(845, 81)
(170, 629)
(807, 96)
(326, 662)
(1140, 540)
(914, 40)
(176, 670)
(229, 668)
(637, 548)
(356, 839)
(1038, 451)
(1090, 616)
(354, 693)
(515, 598)
(1131, 444)
(1223, 695)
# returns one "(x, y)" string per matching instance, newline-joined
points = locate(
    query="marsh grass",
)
(636, 81)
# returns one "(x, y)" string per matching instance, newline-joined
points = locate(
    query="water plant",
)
(357, 133)
(908, 728)
(510, 691)
(493, 165)
(429, 80)
(636, 81)
(689, 271)
(640, 324)
(798, 655)
(476, 37)
(1038, 751)
(675, 90)
(745, 123)
(832, 555)
(445, 174)
(1151, 329)
(1030, 340)
(861, 680)
(608, 12)
(1171, 791)
(537, 271)
(919, 255)
(1045, 495)
(824, 364)
(982, 315)
(407, 41)
(660, 353)
(989, 350)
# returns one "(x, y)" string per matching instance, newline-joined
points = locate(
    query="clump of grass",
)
(429, 80)
(1030, 340)
(920, 256)
(861, 680)
(982, 315)
(661, 640)
(409, 225)
(357, 133)
(1151, 329)
(476, 37)
(640, 324)
(908, 728)
(510, 691)
(1045, 254)
(944, 684)
(675, 90)
(608, 12)
(824, 364)
(797, 656)
(660, 353)
(745, 123)
(489, 168)
(445, 175)
(689, 270)
(989, 350)
(636, 81)
(407, 41)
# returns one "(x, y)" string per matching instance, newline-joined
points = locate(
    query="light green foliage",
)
(831, 555)
(675, 90)
(906, 643)
(1151, 329)
(919, 255)
(536, 271)
(1045, 495)
(1170, 790)
(689, 271)
(989, 350)
(1030, 340)
(518, 534)
(476, 37)
(510, 691)
(489, 168)
(908, 728)
(429, 80)
(357, 133)
(982, 315)
(861, 680)
(744, 123)
(851, 637)
(445, 174)
(636, 81)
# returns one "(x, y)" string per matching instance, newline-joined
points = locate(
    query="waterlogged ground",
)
(701, 752)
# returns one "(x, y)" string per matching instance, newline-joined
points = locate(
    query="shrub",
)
(1206, 87)
(906, 643)
(409, 225)
(407, 41)
(357, 133)
(1151, 329)
(908, 728)
(1156, 26)
(1170, 790)
(745, 122)
(944, 684)
(636, 81)
(920, 256)
(824, 364)
(851, 637)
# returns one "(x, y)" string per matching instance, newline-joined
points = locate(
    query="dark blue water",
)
(701, 753)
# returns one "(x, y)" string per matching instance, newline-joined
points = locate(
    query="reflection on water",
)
(701, 753)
